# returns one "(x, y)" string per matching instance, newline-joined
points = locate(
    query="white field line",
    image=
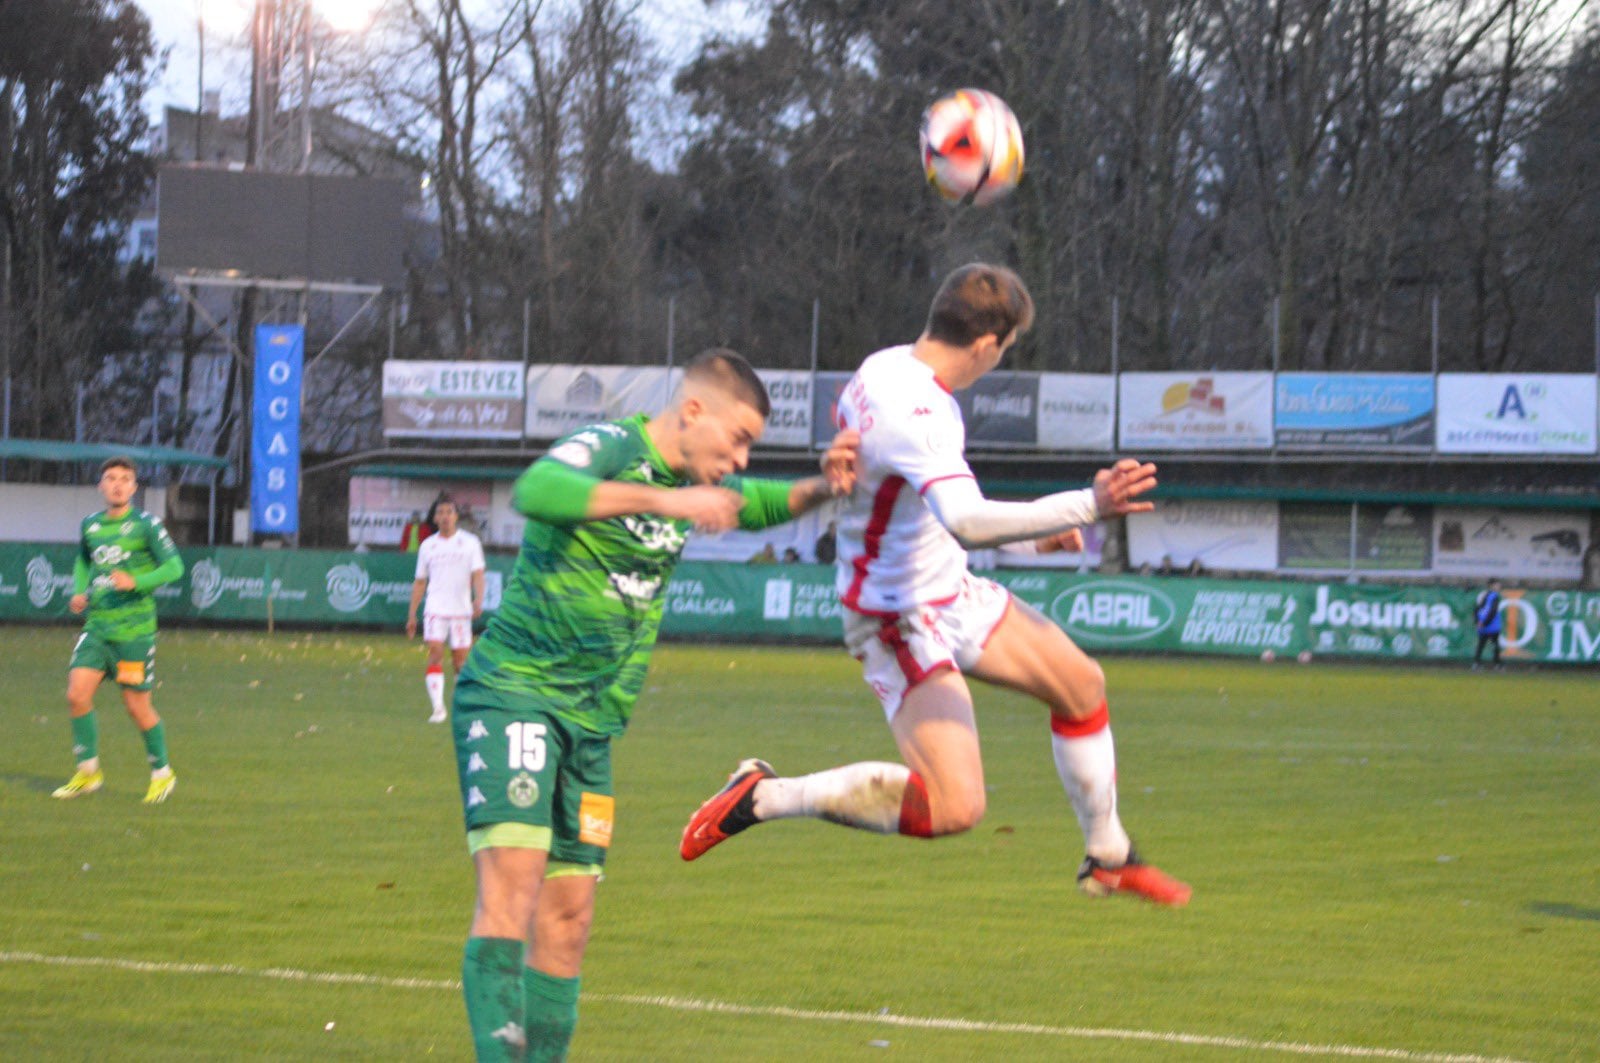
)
(1026, 1029)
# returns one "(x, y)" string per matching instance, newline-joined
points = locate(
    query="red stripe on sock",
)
(915, 819)
(1067, 727)
(436, 669)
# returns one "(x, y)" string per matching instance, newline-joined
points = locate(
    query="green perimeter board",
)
(797, 602)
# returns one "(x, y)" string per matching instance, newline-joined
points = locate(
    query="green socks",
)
(491, 981)
(551, 1009)
(155, 745)
(516, 1012)
(85, 737)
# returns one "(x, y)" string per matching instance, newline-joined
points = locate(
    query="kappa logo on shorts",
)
(596, 814)
(522, 791)
(475, 764)
(475, 798)
(476, 731)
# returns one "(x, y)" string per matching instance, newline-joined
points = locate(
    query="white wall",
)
(51, 513)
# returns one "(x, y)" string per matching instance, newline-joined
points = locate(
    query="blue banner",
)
(1378, 410)
(275, 431)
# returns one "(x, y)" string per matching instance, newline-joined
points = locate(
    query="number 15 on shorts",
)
(525, 740)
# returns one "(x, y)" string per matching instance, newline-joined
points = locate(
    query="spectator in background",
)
(764, 556)
(416, 529)
(791, 556)
(827, 547)
(1486, 616)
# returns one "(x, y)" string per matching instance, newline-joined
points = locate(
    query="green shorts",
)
(131, 662)
(535, 769)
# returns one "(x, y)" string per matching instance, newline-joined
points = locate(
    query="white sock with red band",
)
(872, 795)
(434, 679)
(1086, 761)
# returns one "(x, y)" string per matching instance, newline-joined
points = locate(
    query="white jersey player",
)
(921, 623)
(450, 570)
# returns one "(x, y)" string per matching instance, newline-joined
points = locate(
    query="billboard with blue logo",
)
(1390, 411)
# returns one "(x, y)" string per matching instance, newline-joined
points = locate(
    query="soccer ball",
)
(1267, 656)
(971, 147)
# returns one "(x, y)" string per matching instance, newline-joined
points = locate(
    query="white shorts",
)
(454, 630)
(898, 652)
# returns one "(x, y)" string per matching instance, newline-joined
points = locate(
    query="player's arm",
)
(80, 578)
(770, 502)
(558, 494)
(419, 587)
(979, 523)
(169, 563)
(477, 592)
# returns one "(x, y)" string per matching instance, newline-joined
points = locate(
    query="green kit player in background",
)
(123, 555)
(554, 678)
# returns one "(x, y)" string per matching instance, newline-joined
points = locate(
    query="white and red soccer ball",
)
(971, 147)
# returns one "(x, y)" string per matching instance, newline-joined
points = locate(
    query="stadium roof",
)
(65, 450)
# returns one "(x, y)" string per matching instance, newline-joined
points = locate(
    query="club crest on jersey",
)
(477, 730)
(127, 527)
(522, 790)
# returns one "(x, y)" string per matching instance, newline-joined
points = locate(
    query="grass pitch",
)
(1388, 863)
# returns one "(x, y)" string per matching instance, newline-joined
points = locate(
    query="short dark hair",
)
(118, 462)
(979, 300)
(726, 369)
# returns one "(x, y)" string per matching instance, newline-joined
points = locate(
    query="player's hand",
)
(839, 463)
(477, 610)
(411, 627)
(708, 508)
(1067, 542)
(1117, 489)
(78, 603)
(121, 580)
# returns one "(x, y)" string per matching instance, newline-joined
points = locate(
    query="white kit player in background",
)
(921, 623)
(450, 571)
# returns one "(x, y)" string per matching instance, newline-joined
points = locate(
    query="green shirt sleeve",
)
(552, 492)
(80, 573)
(766, 502)
(169, 565)
(556, 488)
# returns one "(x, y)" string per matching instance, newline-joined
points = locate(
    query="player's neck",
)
(118, 512)
(951, 366)
(662, 431)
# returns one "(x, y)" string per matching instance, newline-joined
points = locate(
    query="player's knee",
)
(957, 813)
(79, 704)
(1083, 690)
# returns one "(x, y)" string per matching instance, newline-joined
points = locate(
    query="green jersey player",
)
(124, 554)
(555, 675)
